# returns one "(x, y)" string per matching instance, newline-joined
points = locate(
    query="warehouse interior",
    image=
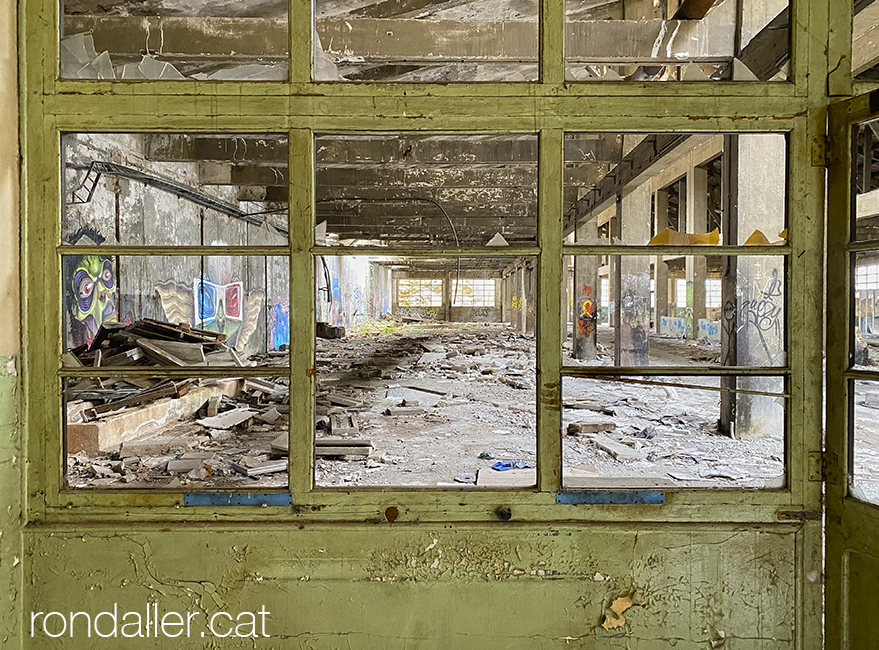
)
(425, 365)
(509, 345)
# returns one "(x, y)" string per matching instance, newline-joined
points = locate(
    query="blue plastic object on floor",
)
(504, 465)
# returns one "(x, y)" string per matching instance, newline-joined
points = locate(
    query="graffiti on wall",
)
(423, 313)
(214, 304)
(279, 324)
(675, 327)
(91, 296)
(764, 312)
(709, 330)
(517, 302)
(91, 292)
(586, 313)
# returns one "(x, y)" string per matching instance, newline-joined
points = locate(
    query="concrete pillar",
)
(520, 298)
(697, 268)
(660, 268)
(530, 288)
(585, 297)
(634, 305)
(446, 309)
(760, 280)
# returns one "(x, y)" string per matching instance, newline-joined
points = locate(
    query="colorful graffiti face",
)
(218, 301)
(94, 291)
(218, 307)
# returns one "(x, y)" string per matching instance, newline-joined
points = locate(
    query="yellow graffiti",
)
(517, 303)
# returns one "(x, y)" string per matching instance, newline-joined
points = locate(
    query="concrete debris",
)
(466, 477)
(575, 428)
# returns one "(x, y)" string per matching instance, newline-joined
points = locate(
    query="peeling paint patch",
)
(614, 618)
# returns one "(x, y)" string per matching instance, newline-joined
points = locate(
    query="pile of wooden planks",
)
(151, 342)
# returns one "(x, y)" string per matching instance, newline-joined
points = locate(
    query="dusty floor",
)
(470, 391)
(483, 413)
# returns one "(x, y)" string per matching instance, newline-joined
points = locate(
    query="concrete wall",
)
(349, 301)
(123, 211)
(11, 551)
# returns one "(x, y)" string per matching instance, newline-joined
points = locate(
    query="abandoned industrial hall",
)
(427, 324)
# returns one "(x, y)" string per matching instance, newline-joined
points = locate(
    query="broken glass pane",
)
(865, 55)
(417, 190)
(425, 370)
(676, 188)
(175, 310)
(185, 434)
(675, 310)
(175, 189)
(677, 40)
(133, 40)
(864, 480)
(865, 182)
(389, 40)
(673, 432)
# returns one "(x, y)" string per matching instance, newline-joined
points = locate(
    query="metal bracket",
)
(263, 499)
(634, 498)
(817, 466)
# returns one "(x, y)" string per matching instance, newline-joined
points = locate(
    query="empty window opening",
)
(669, 40)
(416, 386)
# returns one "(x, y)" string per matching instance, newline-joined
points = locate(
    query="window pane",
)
(665, 432)
(175, 189)
(426, 190)
(865, 182)
(865, 56)
(864, 480)
(472, 40)
(186, 434)
(669, 40)
(416, 386)
(676, 310)
(174, 40)
(865, 317)
(678, 188)
(175, 310)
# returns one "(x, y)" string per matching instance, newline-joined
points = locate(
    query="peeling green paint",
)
(10, 512)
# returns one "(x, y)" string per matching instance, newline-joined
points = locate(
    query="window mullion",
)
(549, 312)
(302, 316)
(552, 41)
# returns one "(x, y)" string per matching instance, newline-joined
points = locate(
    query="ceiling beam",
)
(370, 40)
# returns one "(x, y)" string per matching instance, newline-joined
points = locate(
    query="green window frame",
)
(551, 108)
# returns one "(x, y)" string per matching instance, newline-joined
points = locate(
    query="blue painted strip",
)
(238, 499)
(639, 498)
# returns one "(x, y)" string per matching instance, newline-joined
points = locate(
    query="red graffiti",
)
(586, 313)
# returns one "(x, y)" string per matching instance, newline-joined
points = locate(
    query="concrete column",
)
(585, 297)
(760, 280)
(530, 287)
(660, 268)
(446, 309)
(520, 298)
(697, 268)
(635, 279)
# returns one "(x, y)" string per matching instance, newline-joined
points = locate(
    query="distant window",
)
(712, 294)
(419, 292)
(867, 277)
(681, 293)
(653, 294)
(605, 290)
(473, 293)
